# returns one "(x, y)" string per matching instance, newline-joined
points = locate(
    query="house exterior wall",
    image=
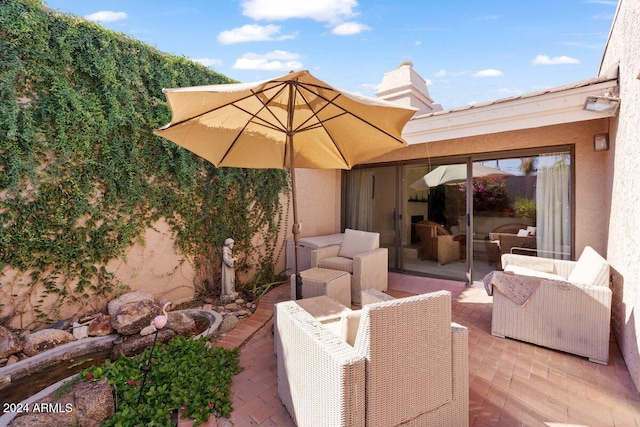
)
(590, 178)
(623, 184)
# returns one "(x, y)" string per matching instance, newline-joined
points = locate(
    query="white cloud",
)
(106, 16)
(278, 60)
(252, 33)
(488, 18)
(605, 16)
(209, 62)
(332, 11)
(445, 73)
(350, 28)
(556, 60)
(489, 72)
(418, 43)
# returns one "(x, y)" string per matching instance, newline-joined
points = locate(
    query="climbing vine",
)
(82, 175)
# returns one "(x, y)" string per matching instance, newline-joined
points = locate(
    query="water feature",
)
(31, 375)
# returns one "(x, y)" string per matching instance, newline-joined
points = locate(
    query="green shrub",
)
(185, 375)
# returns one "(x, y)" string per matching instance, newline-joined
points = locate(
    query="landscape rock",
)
(80, 331)
(87, 404)
(62, 324)
(100, 326)
(9, 343)
(147, 330)
(132, 345)
(116, 304)
(181, 324)
(229, 322)
(37, 342)
(134, 316)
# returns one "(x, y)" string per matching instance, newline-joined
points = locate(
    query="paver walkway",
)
(511, 383)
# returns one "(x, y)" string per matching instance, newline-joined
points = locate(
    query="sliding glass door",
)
(455, 219)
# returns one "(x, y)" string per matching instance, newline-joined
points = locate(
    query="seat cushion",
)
(589, 268)
(356, 242)
(337, 263)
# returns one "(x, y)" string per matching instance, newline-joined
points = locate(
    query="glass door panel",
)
(434, 206)
(371, 205)
(524, 207)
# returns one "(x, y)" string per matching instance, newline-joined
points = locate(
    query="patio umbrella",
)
(452, 174)
(293, 121)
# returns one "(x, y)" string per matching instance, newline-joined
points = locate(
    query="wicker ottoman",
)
(323, 281)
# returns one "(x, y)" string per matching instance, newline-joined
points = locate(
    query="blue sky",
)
(468, 51)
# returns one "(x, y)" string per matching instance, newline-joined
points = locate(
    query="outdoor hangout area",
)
(511, 382)
(181, 248)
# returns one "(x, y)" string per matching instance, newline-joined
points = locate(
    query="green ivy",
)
(185, 374)
(82, 175)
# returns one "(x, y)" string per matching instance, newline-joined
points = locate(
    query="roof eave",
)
(552, 107)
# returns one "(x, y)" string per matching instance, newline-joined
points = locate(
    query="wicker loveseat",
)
(505, 238)
(564, 305)
(395, 362)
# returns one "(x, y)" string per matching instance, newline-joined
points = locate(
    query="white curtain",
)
(553, 207)
(360, 201)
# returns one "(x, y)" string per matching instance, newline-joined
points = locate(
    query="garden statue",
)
(228, 293)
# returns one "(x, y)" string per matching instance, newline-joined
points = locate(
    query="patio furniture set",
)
(402, 361)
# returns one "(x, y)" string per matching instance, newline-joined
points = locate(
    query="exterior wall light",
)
(601, 142)
(602, 104)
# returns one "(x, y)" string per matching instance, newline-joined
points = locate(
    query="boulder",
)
(229, 321)
(131, 345)
(134, 316)
(181, 324)
(46, 339)
(100, 326)
(9, 343)
(87, 404)
(116, 304)
(80, 331)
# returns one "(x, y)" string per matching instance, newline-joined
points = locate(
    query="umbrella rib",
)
(254, 116)
(345, 111)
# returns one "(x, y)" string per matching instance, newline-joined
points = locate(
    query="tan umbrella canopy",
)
(453, 174)
(293, 121)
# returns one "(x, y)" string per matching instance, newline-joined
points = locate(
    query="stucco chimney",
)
(405, 87)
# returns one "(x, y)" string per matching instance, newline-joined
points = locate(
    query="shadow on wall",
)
(624, 330)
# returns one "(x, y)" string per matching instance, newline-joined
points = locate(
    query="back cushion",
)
(589, 268)
(356, 242)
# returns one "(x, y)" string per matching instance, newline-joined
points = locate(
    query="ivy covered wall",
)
(82, 177)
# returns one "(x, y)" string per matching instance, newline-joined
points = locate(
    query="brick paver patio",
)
(511, 383)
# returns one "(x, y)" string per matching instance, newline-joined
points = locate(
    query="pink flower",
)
(89, 376)
(130, 382)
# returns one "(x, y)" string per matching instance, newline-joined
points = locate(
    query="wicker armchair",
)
(564, 305)
(396, 362)
(360, 255)
(438, 242)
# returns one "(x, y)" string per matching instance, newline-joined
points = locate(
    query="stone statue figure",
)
(228, 292)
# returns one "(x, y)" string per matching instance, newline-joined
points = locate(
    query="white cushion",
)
(350, 321)
(589, 266)
(524, 271)
(356, 242)
(531, 230)
(523, 233)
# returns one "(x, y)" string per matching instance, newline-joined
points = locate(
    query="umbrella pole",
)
(292, 168)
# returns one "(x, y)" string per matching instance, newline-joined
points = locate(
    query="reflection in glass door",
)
(371, 205)
(435, 205)
(523, 208)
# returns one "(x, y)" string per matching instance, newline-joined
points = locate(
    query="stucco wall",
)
(624, 184)
(590, 186)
